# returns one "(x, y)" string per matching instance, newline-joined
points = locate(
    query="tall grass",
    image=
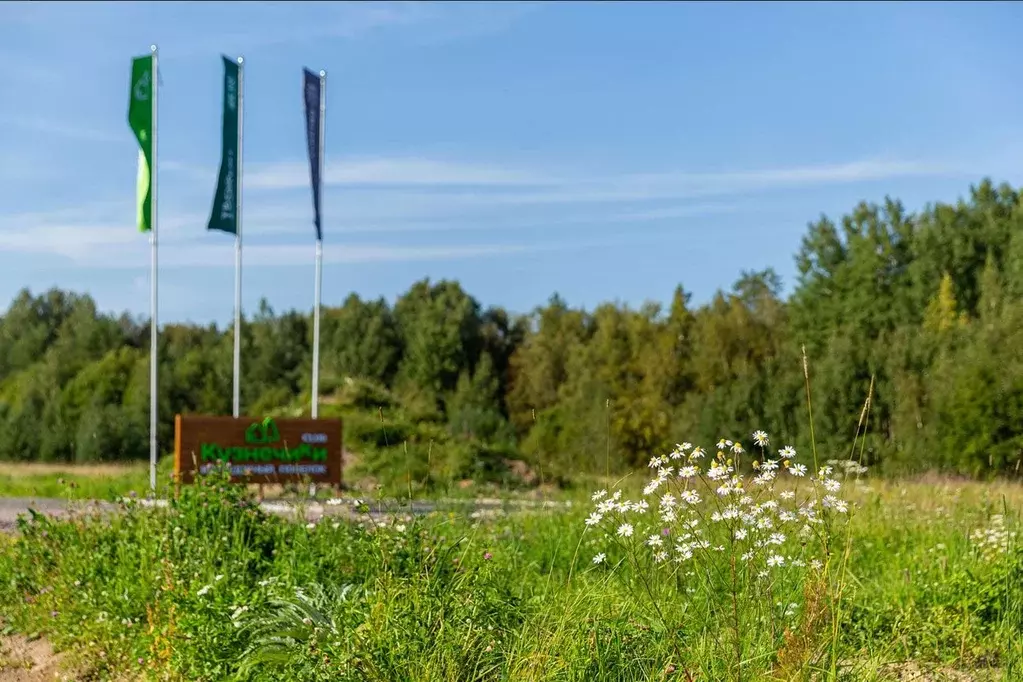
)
(212, 588)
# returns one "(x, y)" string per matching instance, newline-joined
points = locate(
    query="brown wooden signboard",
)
(258, 450)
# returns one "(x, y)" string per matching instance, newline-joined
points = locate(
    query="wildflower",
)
(689, 496)
(769, 465)
(798, 470)
(654, 541)
(737, 449)
(625, 530)
(660, 556)
(816, 564)
(740, 534)
(760, 438)
(776, 539)
(203, 590)
(599, 495)
(599, 558)
(593, 519)
(717, 472)
(687, 471)
(652, 486)
(668, 515)
(787, 495)
(487, 556)
(310, 526)
(722, 444)
(668, 500)
(697, 453)
(831, 485)
(775, 560)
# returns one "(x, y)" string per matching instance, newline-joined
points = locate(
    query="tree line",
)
(917, 317)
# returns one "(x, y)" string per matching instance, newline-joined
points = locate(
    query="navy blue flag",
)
(313, 129)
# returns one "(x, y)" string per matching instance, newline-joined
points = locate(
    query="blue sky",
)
(604, 151)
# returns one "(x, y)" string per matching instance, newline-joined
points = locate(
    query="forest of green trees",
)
(927, 309)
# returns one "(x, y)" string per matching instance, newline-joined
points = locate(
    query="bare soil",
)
(25, 660)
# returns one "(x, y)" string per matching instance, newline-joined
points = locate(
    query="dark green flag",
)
(224, 216)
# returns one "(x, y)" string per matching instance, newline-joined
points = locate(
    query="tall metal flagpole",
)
(319, 257)
(153, 324)
(236, 411)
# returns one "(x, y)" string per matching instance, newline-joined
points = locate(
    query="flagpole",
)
(236, 411)
(153, 324)
(319, 257)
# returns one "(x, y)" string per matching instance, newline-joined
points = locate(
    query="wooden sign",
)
(258, 450)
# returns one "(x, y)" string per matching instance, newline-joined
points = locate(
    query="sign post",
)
(258, 450)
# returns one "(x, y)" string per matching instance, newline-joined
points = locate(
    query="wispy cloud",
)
(290, 255)
(290, 218)
(56, 128)
(411, 194)
(562, 188)
(267, 25)
(86, 232)
(393, 171)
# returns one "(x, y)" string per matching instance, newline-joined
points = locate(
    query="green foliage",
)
(922, 311)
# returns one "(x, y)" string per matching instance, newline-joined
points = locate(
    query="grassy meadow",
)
(895, 580)
(72, 481)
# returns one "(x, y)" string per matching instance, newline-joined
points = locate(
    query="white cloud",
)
(222, 255)
(561, 188)
(295, 217)
(266, 25)
(409, 194)
(386, 171)
(55, 128)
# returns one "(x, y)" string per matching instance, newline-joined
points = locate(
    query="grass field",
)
(36, 480)
(80, 482)
(913, 580)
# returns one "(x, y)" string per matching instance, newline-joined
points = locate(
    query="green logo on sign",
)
(262, 444)
(262, 433)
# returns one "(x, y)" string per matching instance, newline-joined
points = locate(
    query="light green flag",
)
(140, 118)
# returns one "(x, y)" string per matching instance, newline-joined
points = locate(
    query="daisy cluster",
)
(993, 540)
(766, 508)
